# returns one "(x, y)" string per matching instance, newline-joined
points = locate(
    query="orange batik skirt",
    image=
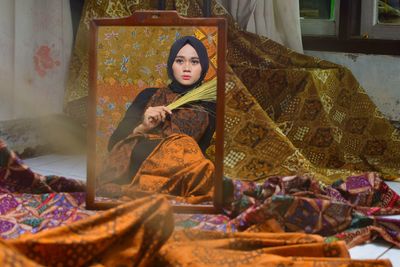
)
(176, 167)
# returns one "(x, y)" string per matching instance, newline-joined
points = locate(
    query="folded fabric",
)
(136, 234)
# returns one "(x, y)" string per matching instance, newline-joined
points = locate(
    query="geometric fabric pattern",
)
(286, 113)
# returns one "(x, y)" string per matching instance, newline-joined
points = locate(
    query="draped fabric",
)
(206, 248)
(175, 164)
(277, 20)
(176, 167)
(16, 177)
(30, 202)
(36, 44)
(286, 113)
(138, 233)
(350, 210)
(129, 235)
(133, 149)
(186, 120)
(32, 213)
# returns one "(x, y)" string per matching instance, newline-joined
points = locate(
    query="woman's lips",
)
(186, 77)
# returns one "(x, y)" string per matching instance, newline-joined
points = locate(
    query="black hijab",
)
(203, 57)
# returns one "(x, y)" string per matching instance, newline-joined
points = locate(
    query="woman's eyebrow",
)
(184, 57)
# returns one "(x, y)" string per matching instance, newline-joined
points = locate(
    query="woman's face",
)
(186, 66)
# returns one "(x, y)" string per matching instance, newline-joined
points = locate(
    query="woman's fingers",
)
(164, 111)
(160, 112)
(154, 115)
(167, 110)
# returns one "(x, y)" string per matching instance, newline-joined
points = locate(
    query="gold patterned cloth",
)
(128, 235)
(139, 233)
(286, 113)
(206, 248)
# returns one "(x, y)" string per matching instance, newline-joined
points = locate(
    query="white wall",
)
(6, 59)
(378, 74)
(35, 49)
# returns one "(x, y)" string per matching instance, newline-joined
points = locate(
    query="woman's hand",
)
(153, 116)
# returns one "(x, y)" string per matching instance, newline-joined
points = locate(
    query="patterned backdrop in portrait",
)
(130, 59)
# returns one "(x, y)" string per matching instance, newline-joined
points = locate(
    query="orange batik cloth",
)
(176, 167)
(136, 234)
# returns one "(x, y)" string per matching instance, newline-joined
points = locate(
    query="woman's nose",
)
(186, 67)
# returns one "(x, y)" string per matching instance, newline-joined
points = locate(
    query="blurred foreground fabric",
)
(44, 221)
(286, 113)
(140, 233)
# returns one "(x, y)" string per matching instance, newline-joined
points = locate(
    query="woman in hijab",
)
(158, 150)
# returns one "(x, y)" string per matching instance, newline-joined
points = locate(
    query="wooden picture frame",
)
(113, 82)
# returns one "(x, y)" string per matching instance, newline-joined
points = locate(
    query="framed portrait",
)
(156, 110)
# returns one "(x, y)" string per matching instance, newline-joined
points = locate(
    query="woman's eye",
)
(195, 61)
(179, 61)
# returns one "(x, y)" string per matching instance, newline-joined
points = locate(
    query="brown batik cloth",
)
(176, 166)
(190, 119)
(286, 113)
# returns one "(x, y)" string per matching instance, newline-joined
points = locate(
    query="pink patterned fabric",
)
(30, 202)
(22, 213)
(348, 210)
